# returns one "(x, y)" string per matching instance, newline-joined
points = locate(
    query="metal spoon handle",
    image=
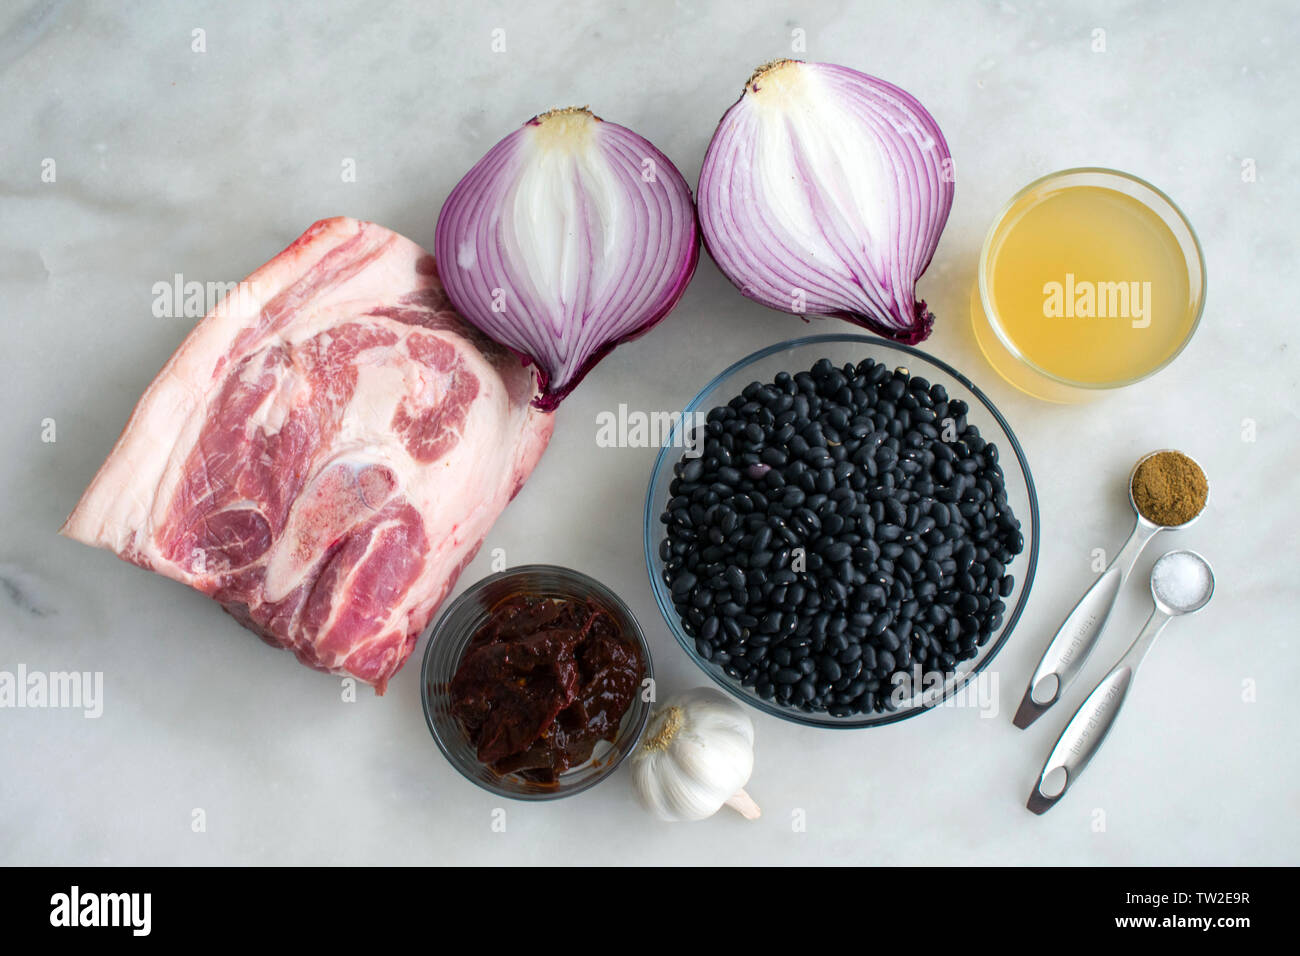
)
(1077, 636)
(1083, 735)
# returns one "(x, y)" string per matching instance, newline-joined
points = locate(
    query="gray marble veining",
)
(138, 142)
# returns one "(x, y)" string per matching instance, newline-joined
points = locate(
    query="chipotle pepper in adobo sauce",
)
(542, 681)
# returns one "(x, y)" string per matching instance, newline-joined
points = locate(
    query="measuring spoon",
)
(1083, 735)
(1077, 636)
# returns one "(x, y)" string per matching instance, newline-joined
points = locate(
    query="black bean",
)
(896, 512)
(830, 668)
(836, 550)
(735, 578)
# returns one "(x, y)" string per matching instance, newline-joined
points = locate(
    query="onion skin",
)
(557, 245)
(827, 185)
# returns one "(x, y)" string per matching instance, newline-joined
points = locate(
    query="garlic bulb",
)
(697, 755)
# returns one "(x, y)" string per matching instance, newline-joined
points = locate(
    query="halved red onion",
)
(823, 192)
(570, 236)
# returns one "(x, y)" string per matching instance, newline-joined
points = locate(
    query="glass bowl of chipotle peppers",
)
(533, 682)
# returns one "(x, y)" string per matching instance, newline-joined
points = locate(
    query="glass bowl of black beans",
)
(842, 531)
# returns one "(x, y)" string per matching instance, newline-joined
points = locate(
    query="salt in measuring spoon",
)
(1182, 582)
(1077, 636)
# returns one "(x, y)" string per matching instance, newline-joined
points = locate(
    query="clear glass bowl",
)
(997, 344)
(800, 355)
(447, 642)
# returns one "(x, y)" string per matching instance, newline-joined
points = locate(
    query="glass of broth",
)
(1090, 279)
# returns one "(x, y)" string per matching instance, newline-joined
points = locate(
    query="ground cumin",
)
(1169, 488)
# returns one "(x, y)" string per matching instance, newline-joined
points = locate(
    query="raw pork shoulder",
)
(324, 453)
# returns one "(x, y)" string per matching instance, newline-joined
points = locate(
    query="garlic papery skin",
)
(571, 236)
(696, 756)
(824, 192)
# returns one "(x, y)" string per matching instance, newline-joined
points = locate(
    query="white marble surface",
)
(206, 164)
